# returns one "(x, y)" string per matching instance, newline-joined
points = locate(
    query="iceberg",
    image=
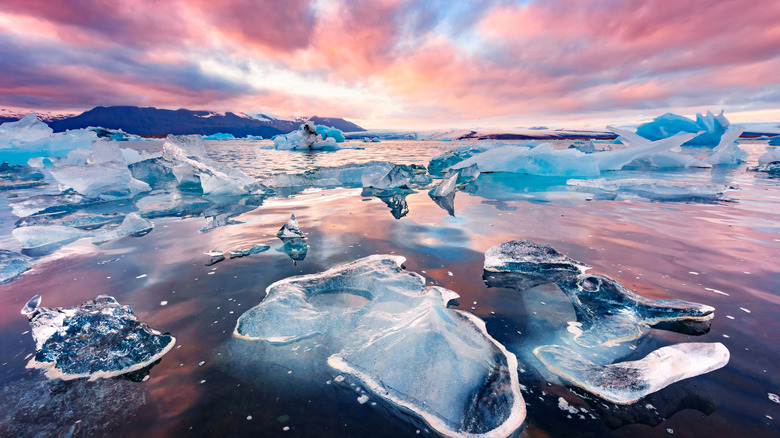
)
(774, 141)
(608, 314)
(12, 265)
(105, 174)
(664, 191)
(626, 382)
(219, 136)
(672, 158)
(304, 138)
(728, 151)
(465, 174)
(397, 177)
(669, 124)
(26, 130)
(290, 228)
(97, 339)
(544, 160)
(385, 327)
(771, 155)
(440, 163)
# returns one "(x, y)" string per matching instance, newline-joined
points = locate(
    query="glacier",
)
(97, 339)
(385, 327)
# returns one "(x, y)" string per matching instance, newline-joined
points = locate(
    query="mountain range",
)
(149, 121)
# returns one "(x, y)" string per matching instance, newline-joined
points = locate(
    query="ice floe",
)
(666, 191)
(385, 327)
(627, 382)
(97, 339)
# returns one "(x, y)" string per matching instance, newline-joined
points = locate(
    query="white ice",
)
(290, 229)
(26, 130)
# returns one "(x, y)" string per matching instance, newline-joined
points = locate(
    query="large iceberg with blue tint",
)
(709, 128)
(97, 339)
(384, 326)
(310, 137)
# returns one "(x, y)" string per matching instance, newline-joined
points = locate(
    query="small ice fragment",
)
(339, 378)
(362, 399)
(214, 253)
(201, 363)
(202, 382)
(249, 417)
(774, 397)
(744, 310)
(290, 229)
(163, 303)
(141, 276)
(286, 428)
(669, 430)
(31, 305)
(450, 273)
(716, 291)
(445, 187)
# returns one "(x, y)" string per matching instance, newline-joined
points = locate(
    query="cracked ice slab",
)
(97, 339)
(626, 382)
(384, 326)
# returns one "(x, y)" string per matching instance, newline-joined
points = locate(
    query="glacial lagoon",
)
(705, 236)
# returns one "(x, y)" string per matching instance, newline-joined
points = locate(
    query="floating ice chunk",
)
(667, 191)
(32, 306)
(771, 155)
(667, 125)
(27, 129)
(132, 225)
(192, 167)
(440, 163)
(12, 265)
(303, 138)
(97, 339)
(446, 187)
(290, 229)
(465, 174)
(14, 177)
(671, 158)
(383, 326)
(46, 238)
(40, 204)
(608, 314)
(728, 151)
(397, 177)
(245, 250)
(219, 136)
(627, 382)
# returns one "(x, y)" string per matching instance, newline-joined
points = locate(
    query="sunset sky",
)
(394, 64)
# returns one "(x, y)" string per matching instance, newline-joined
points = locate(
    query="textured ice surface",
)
(672, 158)
(465, 174)
(607, 313)
(397, 177)
(667, 191)
(32, 305)
(12, 265)
(627, 382)
(669, 124)
(382, 325)
(97, 339)
(19, 177)
(290, 228)
(39, 204)
(303, 138)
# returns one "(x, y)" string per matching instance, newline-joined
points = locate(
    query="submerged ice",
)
(385, 327)
(97, 339)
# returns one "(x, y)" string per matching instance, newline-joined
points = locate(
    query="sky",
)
(398, 64)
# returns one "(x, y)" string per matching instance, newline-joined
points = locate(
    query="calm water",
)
(722, 254)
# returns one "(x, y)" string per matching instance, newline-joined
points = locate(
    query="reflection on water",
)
(721, 254)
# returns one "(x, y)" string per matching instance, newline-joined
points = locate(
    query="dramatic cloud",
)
(393, 62)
